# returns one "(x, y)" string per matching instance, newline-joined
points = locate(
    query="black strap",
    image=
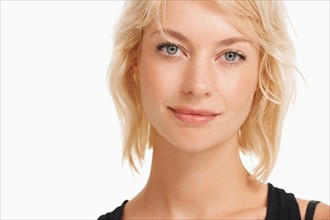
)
(281, 205)
(311, 209)
(116, 214)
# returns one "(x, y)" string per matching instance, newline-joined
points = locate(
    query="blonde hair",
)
(261, 131)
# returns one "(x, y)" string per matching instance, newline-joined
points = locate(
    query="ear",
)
(134, 72)
(134, 69)
(257, 84)
(257, 87)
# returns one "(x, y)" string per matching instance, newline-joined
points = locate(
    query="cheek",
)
(155, 86)
(246, 87)
(150, 89)
(159, 80)
(240, 91)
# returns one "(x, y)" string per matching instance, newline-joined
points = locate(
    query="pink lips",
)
(193, 116)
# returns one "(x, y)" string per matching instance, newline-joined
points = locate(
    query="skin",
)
(196, 95)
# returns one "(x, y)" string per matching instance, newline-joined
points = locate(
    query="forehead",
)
(205, 17)
(215, 16)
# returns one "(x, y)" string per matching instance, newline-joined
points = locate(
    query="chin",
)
(194, 145)
(192, 140)
(197, 142)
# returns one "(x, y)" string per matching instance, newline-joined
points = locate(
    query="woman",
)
(200, 81)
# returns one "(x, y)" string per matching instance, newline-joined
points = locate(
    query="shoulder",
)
(116, 214)
(281, 204)
(322, 210)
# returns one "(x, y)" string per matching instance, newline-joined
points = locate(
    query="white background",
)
(60, 137)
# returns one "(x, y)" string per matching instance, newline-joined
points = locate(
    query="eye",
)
(169, 49)
(232, 57)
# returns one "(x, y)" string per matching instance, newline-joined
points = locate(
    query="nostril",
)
(198, 83)
(198, 92)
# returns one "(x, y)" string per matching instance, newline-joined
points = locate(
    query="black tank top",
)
(280, 205)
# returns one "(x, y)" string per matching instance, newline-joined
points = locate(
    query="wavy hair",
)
(262, 21)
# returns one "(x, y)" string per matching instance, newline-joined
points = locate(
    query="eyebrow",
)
(181, 37)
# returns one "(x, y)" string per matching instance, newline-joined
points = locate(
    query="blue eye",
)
(168, 48)
(233, 57)
(171, 49)
(230, 56)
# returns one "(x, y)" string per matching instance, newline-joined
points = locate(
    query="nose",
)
(198, 79)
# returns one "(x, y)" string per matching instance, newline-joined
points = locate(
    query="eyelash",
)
(179, 47)
(167, 44)
(242, 57)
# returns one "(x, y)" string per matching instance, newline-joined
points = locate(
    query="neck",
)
(182, 180)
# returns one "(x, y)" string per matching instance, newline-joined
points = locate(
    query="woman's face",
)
(198, 83)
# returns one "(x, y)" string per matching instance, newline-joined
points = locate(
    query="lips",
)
(193, 116)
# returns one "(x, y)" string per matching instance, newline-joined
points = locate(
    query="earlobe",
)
(257, 86)
(134, 69)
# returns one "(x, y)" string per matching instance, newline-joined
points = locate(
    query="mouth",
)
(193, 116)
